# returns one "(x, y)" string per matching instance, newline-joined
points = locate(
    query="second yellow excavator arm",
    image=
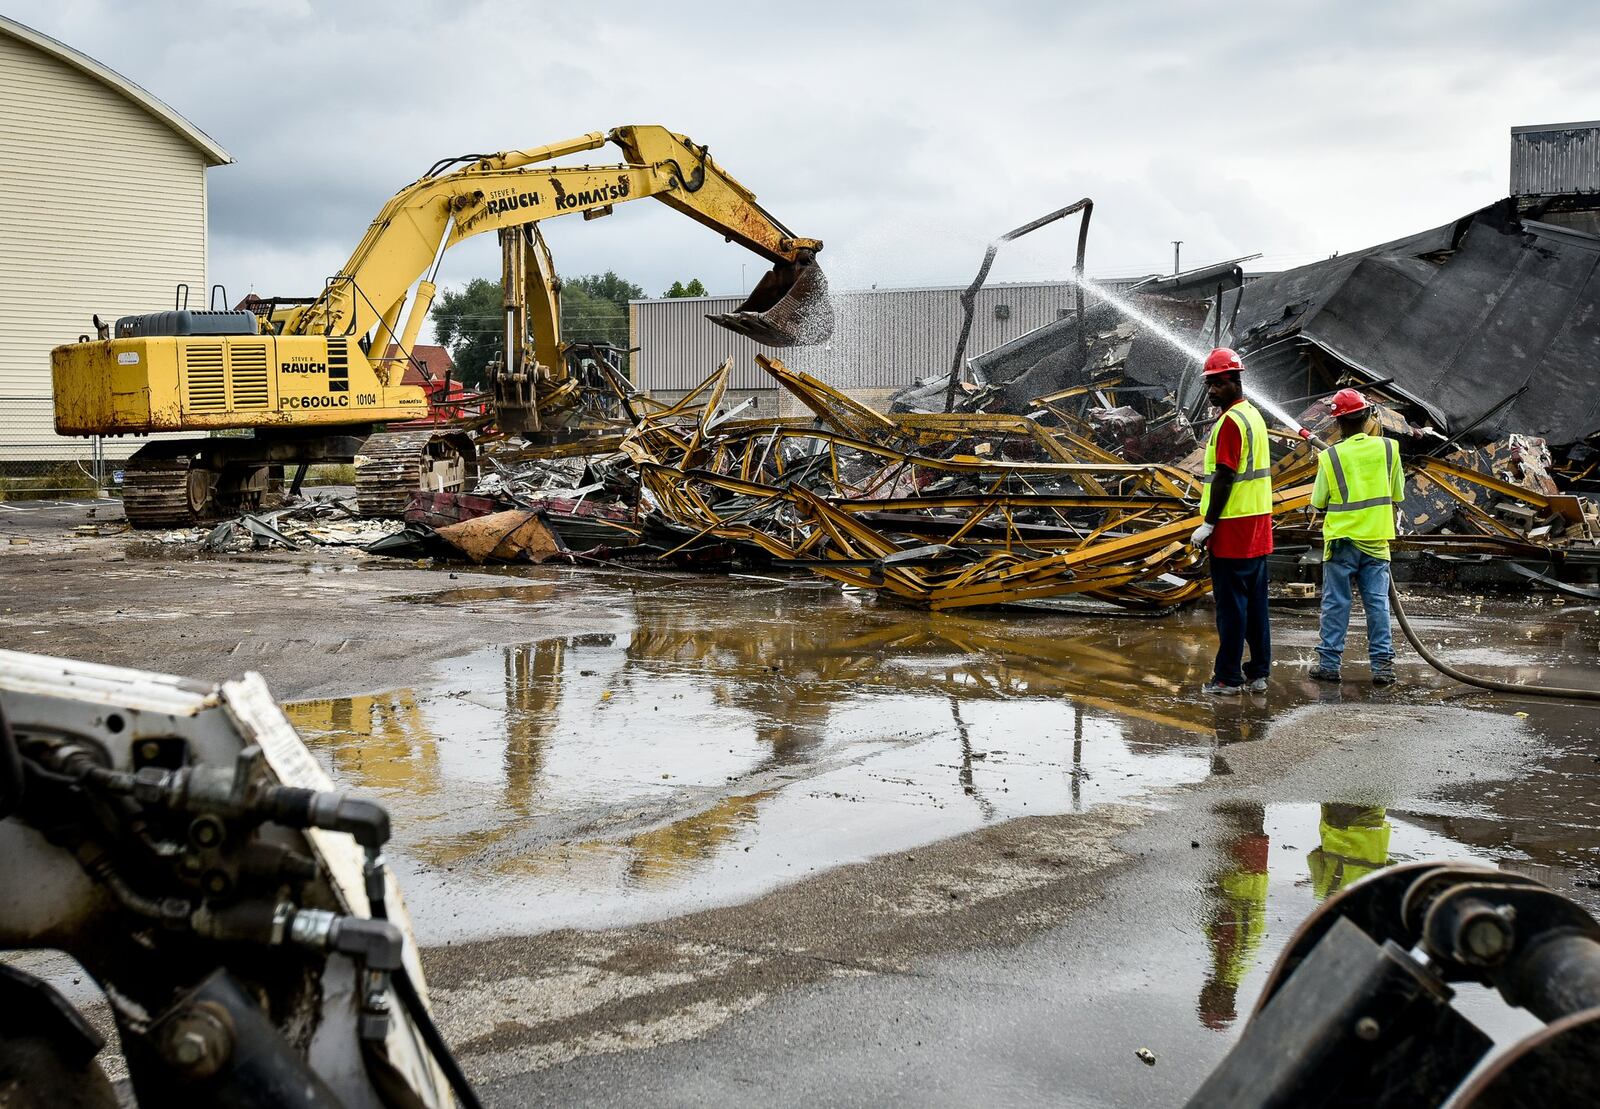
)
(497, 191)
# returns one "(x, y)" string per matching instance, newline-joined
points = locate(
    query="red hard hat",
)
(1347, 402)
(1223, 360)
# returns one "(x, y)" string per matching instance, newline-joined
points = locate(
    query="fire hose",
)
(1449, 671)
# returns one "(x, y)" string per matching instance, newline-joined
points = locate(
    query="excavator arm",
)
(509, 190)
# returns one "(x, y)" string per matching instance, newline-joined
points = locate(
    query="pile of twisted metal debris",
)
(955, 510)
(1067, 461)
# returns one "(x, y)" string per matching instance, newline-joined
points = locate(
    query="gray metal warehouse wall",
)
(883, 339)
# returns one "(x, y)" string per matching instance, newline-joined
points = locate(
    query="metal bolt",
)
(206, 831)
(1486, 938)
(189, 1049)
(199, 1040)
(1367, 1029)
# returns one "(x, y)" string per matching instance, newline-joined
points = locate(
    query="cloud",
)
(904, 135)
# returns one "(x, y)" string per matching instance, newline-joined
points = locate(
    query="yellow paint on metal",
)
(217, 382)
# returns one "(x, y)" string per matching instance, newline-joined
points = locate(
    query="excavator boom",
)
(789, 307)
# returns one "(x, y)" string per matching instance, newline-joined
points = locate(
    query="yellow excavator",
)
(313, 378)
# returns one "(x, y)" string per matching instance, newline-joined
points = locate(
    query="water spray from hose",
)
(1153, 326)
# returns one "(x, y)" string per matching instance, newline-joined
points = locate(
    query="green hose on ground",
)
(1449, 671)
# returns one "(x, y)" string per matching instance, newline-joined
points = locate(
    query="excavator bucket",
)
(789, 307)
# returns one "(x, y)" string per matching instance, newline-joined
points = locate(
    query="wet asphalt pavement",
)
(671, 839)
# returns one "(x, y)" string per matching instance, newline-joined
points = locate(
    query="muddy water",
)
(718, 742)
(697, 745)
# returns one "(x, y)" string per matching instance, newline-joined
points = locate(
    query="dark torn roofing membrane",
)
(1460, 317)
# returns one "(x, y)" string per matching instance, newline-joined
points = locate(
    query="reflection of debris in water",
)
(380, 741)
(704, 747)
(667, 852)
(728, 733)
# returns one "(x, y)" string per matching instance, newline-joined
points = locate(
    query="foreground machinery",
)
(312, 378)
(179, 841)
(1359, 1010)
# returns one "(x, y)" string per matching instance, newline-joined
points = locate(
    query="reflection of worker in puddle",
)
(1238, 920)
(1354, 843)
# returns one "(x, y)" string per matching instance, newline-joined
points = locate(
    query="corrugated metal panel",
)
(679, 346)
(102, 210)
(882, 339)
(1555, 158)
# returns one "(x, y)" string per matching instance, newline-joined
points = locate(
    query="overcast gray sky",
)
(904, 135)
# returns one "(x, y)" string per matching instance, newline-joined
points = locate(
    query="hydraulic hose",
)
(1449, 671)
(435, 1040)
(411, 998)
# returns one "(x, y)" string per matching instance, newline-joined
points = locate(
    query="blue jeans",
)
(1371, 575)
(1239, 586)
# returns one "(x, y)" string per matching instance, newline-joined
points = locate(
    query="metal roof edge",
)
(215, 154)
(1571, 235)
(1535, 128)
(989, 287)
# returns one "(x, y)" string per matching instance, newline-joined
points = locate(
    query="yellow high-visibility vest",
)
(1349, 851)
(1252, 485)
(1245, 892)
(1360, 493)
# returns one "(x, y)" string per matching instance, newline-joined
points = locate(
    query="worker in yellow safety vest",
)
(1354, 843)
(1238, 921)
(1236, 527)
(1359, 486)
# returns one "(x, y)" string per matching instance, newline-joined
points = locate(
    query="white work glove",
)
(1201, 534)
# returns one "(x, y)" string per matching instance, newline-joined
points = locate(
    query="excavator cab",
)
(789, 307)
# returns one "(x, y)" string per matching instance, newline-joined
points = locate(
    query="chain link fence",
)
(36, 463)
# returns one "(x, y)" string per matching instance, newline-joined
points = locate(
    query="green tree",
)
(693, 289)
(471, 322)
(468, 322)
(588, 318)
(594, 308)
(606, 286)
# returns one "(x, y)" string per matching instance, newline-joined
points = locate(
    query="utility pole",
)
(1176, 244)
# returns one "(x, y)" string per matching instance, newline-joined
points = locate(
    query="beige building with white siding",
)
(102, 211)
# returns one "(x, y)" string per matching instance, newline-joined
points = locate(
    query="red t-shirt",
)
(1241, 536)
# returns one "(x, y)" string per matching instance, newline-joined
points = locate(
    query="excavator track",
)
(395, 464)
(164, 493)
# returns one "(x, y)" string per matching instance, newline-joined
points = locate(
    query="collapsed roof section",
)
(1459, 317)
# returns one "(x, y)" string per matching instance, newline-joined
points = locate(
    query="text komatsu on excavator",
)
(313, 378)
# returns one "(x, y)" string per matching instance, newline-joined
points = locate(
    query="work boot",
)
(1383, 677)
(1318, 674)
(1258, 686)
(1219, 689)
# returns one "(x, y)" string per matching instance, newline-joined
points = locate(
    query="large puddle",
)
(715, 742)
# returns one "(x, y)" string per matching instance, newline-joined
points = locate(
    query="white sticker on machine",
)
(128, 358)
